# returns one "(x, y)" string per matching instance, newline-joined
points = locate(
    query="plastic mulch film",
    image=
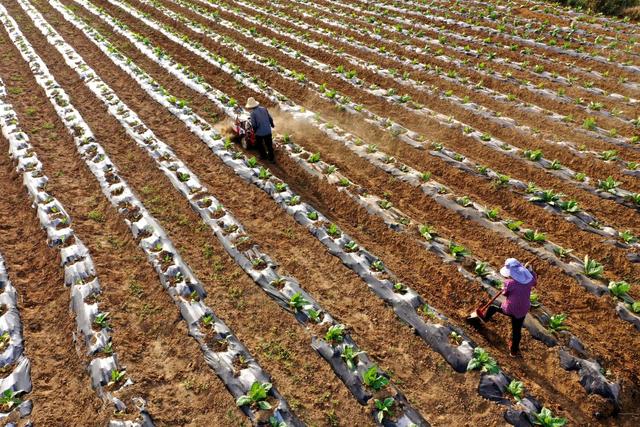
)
(283, 196)
(79, 271)
(177, 278)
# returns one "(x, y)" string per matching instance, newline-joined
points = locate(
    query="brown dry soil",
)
(559, 230)
(280, 349)
(315, 393)
(146, 326)
(560, 297)
(618, 216)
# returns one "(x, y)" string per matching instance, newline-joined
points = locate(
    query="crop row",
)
(260, 267)
(583, 219)
(596, 60)
(331, 231)
(496, 12)
(175, 275)
(407, 304)
(532, 155)
(15, 365)
(386, 162)
(108, 377)
(622, 30)
(553, 167)
(509, 55)
(439, 40)
(350, 76)
(570, 264)
(488, 17)
(197, 80)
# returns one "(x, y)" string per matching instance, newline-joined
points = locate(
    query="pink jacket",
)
(517, 303)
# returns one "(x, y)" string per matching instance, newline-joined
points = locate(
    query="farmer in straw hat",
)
(262, 123)
(517, 290)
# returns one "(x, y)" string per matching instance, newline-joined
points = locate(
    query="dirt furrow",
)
(378, 227)
(137, 304)
(451, 136)
(550, 130)
(574, 91)
(617, 256)
(507, 39)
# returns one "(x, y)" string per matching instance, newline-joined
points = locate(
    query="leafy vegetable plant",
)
(314, 158)
(516, 389)
(619, 289)
(609, 185)
(333, 231)
(481, 268)
(427, 231)
(297, 301)
(373, 379)
(546, 419)
(335, 334)
(556, 322)
(458, 251)
(257, 396)
(9, 399)
(592, 268)
(493, 214)
(534, 299)
(482, 361)
(350, 356)
(384, 408)
(535, 236)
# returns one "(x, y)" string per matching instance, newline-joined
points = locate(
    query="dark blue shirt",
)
(261, 121)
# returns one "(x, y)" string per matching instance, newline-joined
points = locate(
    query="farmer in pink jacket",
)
(517, 290)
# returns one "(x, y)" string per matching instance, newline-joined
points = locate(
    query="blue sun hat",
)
(518, 272)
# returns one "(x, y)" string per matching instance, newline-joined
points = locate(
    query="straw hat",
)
(251, 103)
(512, 268)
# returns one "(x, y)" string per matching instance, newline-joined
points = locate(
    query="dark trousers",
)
(516, 326)
(262, 142)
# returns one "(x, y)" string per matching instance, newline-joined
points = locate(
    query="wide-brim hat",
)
(518, 272)
(251, 103)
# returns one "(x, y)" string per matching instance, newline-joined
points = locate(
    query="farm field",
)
(153, 272)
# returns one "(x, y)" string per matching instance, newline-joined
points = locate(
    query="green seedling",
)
(385, 204)
(373, 379)
(384, 408)
(535, 236)
(561, 252)
(592, 268)
(257, 396)
(619, 289)
(493, 214)
(314, 158)
(102, 320)
(628, 237)
(297, 302)
(534, 298)
(570, 206)
(556, 323)
(9, 399)
(546, 419)
(350, 356)
(481, 269)
(351, 246)
(609, 185)
(457, 251)
(333, 231)
(335, 334)
(516, 389)
(483, 362)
